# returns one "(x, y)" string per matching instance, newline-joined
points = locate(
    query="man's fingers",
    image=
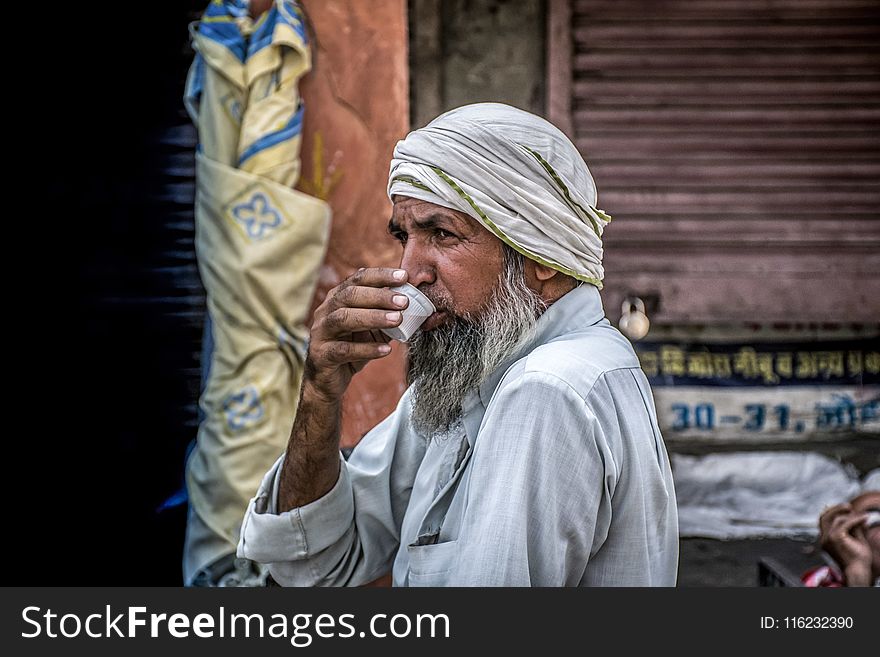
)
(841, 537)
(346, 328)
(368, 288)
(343, 352)
(831, 514)
(353, 320)
(359, 296)
(370, 336)
(378, 277)
(837, 522)
(846, 524)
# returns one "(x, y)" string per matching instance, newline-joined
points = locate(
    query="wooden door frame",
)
(559, 55)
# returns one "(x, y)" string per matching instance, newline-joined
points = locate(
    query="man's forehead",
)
(418, 209)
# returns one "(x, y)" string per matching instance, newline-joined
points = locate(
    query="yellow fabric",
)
(260, 245)
(260, 279)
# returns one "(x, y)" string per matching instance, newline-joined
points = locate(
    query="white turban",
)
(517, 175)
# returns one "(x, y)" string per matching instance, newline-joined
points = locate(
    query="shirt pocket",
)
(429, 565)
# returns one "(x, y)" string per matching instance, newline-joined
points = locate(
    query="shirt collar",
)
(574, 311)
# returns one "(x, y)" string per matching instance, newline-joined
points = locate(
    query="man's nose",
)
(417, 264)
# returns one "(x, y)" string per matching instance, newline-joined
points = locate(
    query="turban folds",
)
(516, 174)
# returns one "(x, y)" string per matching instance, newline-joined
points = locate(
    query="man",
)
(849, 534)
(526, 450)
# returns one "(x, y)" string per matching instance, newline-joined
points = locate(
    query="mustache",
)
(441, 302)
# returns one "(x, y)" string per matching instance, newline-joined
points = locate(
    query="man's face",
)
(450, 257)
(486, 309)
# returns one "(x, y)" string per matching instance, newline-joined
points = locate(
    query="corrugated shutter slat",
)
(737, 144)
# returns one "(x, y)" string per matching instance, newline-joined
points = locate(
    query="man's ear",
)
(548, 283)
(543, 273)
(537, 275)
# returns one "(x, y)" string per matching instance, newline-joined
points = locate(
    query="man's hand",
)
(842, 535)
(346, 329)
(346, 335)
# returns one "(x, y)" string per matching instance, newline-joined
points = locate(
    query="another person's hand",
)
(346, 329)
(842, 535)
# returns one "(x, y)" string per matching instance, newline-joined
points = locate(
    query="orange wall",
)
(356, 109)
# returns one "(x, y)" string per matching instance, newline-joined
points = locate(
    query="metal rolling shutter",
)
(736, 144)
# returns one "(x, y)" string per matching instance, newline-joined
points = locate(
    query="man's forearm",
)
(345, 336)
(311, 466)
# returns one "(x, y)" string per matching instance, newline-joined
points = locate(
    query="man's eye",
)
(443, 234)
(400, 237)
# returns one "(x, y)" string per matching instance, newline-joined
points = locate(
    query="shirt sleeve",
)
(349, 536)
(539, 493)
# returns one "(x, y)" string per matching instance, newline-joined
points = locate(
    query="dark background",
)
(110, 319)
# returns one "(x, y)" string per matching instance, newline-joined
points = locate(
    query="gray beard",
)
(450, 361)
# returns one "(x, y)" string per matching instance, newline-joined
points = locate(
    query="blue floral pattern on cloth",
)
(243, 409)
(258, 216)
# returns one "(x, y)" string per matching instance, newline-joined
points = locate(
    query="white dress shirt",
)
(558, 477)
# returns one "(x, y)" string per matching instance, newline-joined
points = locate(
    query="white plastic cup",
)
(414, 315)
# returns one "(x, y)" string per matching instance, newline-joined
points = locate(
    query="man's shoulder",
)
(578, 359)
